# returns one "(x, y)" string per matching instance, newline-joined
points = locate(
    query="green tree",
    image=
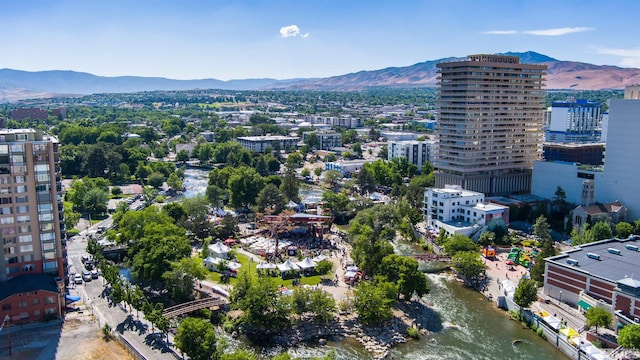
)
(271, 200)
(244, 186)
(469, 265)
(335, 202)
(179, 280)
(597, 316)
(317, 171)
(372, 303)
(623, 230)
(629, 336)
(261, 302)
(541, 228)
(95, 201)
(537, 270)
(404, 272)
(526, 293)
(197, 338)
(175, 182)
(182, 156)
(332, 178)
(366, 182)
(459, 243)
(156, 180)
(241, 354)
(602, 230)
(290, 185)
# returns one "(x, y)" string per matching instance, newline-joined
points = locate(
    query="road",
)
(136, 332)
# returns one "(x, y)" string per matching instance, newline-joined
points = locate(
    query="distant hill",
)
(16, 84)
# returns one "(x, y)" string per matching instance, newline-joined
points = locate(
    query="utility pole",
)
(7, 321)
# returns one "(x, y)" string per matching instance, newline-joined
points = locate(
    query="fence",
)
(136, 354)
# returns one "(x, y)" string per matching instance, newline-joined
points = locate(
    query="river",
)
(466, 325)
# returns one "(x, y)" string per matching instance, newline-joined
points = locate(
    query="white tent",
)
(287, 266)
(552, 321)
(265, 266)
(212, 263)
(350, 274)
(232, 265)
(220, 250)
(306, 264)
(319, 258)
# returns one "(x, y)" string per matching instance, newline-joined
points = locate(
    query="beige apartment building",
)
(490, 125)
(31, 212)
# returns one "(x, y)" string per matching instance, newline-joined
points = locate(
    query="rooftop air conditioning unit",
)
(573, 262)
(593, 256)
(613, 251)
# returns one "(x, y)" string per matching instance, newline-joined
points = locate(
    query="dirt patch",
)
(82, 339)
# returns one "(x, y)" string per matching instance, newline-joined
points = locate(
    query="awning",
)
(72, 298)
(585, 305)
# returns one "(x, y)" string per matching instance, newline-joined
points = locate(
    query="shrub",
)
(540, 333)
(413, 333)
(106, 332)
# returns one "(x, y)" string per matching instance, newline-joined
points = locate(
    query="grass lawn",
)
(251, 265)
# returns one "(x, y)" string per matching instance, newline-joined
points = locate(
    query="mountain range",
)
(17, 84)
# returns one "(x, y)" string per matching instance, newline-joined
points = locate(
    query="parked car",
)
(86, 275)
(77, 279)
(94, 274)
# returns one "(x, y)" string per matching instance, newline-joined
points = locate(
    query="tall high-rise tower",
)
(31, 212)
(490, 125)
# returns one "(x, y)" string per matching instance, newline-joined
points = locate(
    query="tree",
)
(331, 178)
(197, 221)
(366, 182)
(179, 280)
(469, 265)
(602, 230)
(537, 270)
(244, 185)
(372, 304)
(156, 180)
(404, 272)
(95, 201)
(541, 228)
(290, 184)
(597, 316)
(317, 171)
(458, 243)
(271, 199)
(175, 182)
(182, 156)
(335, 202)
(629, 336)
(197, 338)
(623, 230)
(526, 293)
(261, 302)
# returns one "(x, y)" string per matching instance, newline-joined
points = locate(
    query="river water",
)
(465, 326)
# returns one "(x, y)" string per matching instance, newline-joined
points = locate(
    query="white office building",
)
(460, 211)
(416, 152)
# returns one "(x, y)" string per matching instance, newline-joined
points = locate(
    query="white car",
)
(77, 279)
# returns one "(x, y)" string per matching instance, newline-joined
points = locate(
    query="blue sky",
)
(241, 39)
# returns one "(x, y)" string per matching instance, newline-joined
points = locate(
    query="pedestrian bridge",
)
(191, 306)
(432, 257)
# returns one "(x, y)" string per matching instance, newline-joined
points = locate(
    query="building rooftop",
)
(267, 138)
(27, 283)
(612, 260)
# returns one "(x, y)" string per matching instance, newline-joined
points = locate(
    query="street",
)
(136, 332)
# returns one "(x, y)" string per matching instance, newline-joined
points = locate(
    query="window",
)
(24, 315)
(22, 304)
(42, 168)
(21, 189)
(6, 221)
(36, 301)
(36, 312)
(6, 307)
(19, 179)
(43, 177)
(25, 238)
(45, 207)
(26, 248)
(6, 210)
(22, 209)
(22, 199)
(23, 218)
(17, 159)
(50, 311)
(49, 300)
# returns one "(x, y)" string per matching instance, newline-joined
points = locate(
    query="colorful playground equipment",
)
(520, 257)
(488, 252)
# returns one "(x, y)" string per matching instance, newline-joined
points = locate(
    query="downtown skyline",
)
(301, 39)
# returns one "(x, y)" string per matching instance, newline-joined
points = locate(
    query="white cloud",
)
(630, 57)
(292, 31)
(557, 31)
(541, 32)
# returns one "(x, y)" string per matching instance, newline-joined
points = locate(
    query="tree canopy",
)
(197, 338)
